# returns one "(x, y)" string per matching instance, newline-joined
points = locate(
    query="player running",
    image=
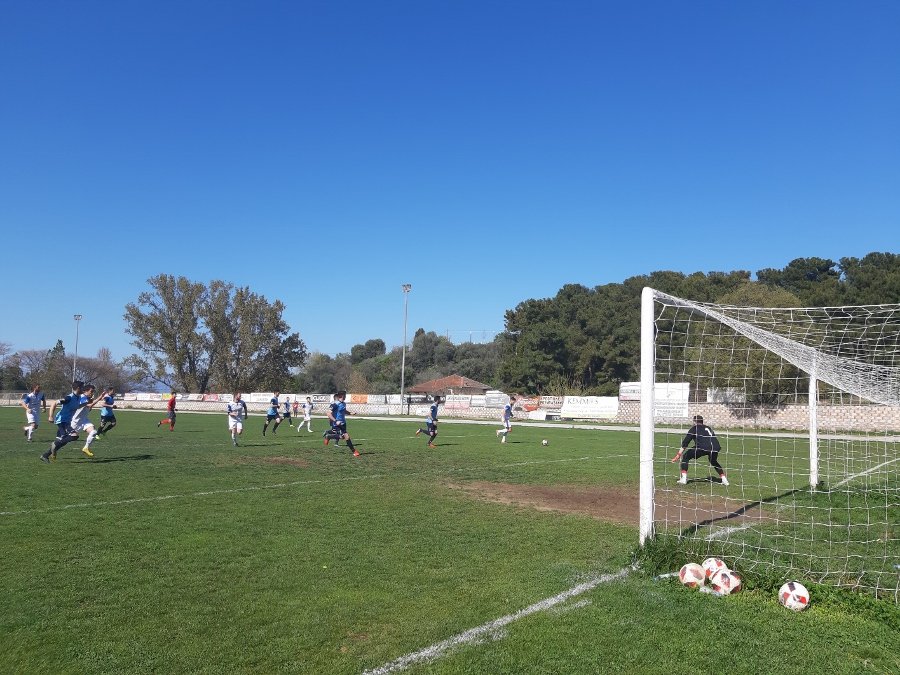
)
(272, 414)
(506, 418)
(338, 416)
(81, 420)
(287, 412)
(33, 403)
(431, 423)
(68, 406)
(107, 416)
(170, 417)
(705, 443)
(237, 412)
(307, 415)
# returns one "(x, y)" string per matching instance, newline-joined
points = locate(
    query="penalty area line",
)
(864, 473)
(491, 628)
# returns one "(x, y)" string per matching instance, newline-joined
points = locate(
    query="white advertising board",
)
(457, 401)
(590, 407)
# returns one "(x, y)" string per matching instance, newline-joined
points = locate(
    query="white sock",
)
(90, 438)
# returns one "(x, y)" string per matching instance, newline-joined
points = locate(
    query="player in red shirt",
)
(170, 420)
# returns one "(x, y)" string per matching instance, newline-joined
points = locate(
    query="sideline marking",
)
(492, 628)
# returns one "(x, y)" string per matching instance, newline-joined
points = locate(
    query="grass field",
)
(175, 552)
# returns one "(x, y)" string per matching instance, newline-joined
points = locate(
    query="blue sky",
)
(324, 153)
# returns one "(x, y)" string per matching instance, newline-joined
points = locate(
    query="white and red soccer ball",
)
(725, 582)
(692, 575)
(794, 595)
(713, 565)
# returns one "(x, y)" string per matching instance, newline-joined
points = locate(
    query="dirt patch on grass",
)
(620, 504)
(610, 504)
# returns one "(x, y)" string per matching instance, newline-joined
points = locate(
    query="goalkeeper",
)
(705, 443)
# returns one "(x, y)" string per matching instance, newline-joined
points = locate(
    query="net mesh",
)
(833, 518)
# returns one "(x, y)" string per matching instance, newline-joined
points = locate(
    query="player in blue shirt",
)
(431, 422)
(338, 416)
(287, 412)
(107, 416)
(507, 420)
(68, 406)
(33, 403)
(272, 414)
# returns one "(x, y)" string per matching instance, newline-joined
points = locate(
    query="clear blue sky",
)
(486, 152)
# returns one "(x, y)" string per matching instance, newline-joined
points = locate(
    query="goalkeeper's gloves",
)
(677, 456)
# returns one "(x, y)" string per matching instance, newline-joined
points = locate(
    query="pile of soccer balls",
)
(713, 576)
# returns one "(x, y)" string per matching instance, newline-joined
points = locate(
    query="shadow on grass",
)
(737, 513)
(106, 460)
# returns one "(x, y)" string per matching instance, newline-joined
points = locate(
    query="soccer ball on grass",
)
(713, 565)
(725, 582)
(692, 575)
(545, 442)
(794, 595)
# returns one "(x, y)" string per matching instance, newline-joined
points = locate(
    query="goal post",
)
(805, 403)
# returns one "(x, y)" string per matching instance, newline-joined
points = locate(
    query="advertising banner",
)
(195, 397)
(259, 397)
(457, 402)
(495, 399)
(590, 407)
(670, 399)
(320, 398)
(377, 410)
(151, 397)
(477, 401)
(630, 391)
(129, 397)
(357, 398)
(551, 402)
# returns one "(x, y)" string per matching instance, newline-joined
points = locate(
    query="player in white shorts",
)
(506, 418)
(307, 415)
(237, 411)
(81, 420)
(32, 403)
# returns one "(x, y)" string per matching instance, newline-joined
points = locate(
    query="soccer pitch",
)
(177, 552)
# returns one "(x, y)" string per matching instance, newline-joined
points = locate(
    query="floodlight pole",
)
(77, 318)
(406, 289)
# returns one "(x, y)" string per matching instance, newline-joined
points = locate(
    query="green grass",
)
(176, 552)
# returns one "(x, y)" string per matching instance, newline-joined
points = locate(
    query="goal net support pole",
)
(648, 379)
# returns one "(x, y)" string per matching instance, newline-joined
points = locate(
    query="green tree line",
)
(203, 337)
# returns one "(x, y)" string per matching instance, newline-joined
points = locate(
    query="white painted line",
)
(725, 531)
(162, 498)
(492, 628)
(863, 473)
(277, 486)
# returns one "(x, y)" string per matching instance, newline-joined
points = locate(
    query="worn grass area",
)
(176, 552)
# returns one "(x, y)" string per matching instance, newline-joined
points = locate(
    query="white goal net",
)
(805, 404)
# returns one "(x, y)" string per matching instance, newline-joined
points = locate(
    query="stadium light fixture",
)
(77, 318)
(406, 289)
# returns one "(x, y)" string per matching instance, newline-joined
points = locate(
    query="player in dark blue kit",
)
(431, 422)
(338, 416)
(272, 414)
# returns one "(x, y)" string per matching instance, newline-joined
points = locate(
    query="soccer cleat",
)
(724, 480)
(326, 441)
(356, 453)
(158, 425)
(432, 445)
(87, 451)
(418, 431)
(45, 458)
(683, 479)
(234, 442)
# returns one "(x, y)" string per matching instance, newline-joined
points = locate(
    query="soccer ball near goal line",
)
(794, 595)
(692, 575)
